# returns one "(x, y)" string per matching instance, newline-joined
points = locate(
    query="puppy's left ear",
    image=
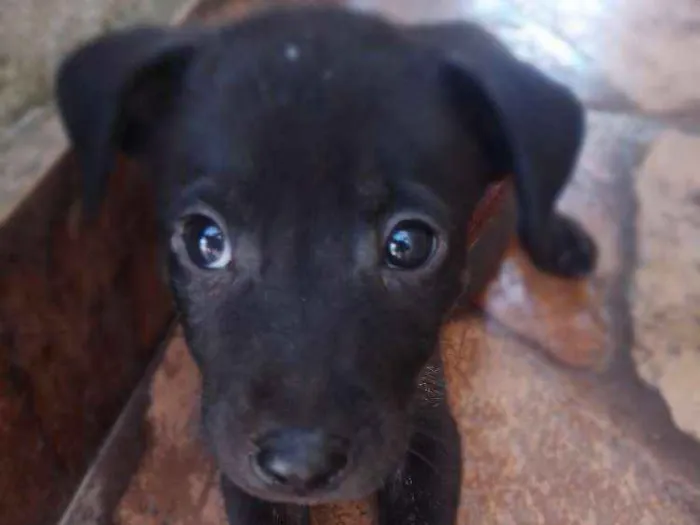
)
(529, 126)
(112, 93)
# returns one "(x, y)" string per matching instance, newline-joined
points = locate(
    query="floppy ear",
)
(114, 90)
(530, 127)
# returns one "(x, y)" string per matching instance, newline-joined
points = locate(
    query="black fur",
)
(306, 134)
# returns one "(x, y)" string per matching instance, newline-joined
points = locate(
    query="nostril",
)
(301, 460)
(337, 461)
(336, 465)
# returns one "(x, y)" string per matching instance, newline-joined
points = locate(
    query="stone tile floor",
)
(577, 404)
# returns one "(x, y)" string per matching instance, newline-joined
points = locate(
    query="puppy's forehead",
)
(322, 66)
(325, 104)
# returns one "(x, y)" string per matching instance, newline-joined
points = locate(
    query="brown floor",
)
(577, 405)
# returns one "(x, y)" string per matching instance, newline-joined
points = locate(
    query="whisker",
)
(434, 438)
(425, 460)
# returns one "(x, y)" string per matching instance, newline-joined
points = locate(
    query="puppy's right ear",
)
(530, 127)
(112, 93)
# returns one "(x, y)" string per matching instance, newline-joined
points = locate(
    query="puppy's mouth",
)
(342, 489)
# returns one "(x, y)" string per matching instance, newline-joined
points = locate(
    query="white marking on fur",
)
(292, 52)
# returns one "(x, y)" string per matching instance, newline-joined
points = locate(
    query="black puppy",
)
(316, 170)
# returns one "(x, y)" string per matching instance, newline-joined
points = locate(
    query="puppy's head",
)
(315, 171)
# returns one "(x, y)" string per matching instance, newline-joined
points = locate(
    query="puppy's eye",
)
(206, 243)
(409, 245)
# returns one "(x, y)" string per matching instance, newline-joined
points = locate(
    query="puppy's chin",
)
(355, 487)
(341, 494)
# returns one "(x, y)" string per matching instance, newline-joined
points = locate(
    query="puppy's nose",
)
(301, 459)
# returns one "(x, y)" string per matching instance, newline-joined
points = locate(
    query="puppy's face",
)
(316, 171)
(315, 176)
(316, 202)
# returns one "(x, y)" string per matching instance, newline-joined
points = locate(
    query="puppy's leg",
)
(243, 509)
(425, 491)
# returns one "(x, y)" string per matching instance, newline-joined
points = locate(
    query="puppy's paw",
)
(567, 250)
